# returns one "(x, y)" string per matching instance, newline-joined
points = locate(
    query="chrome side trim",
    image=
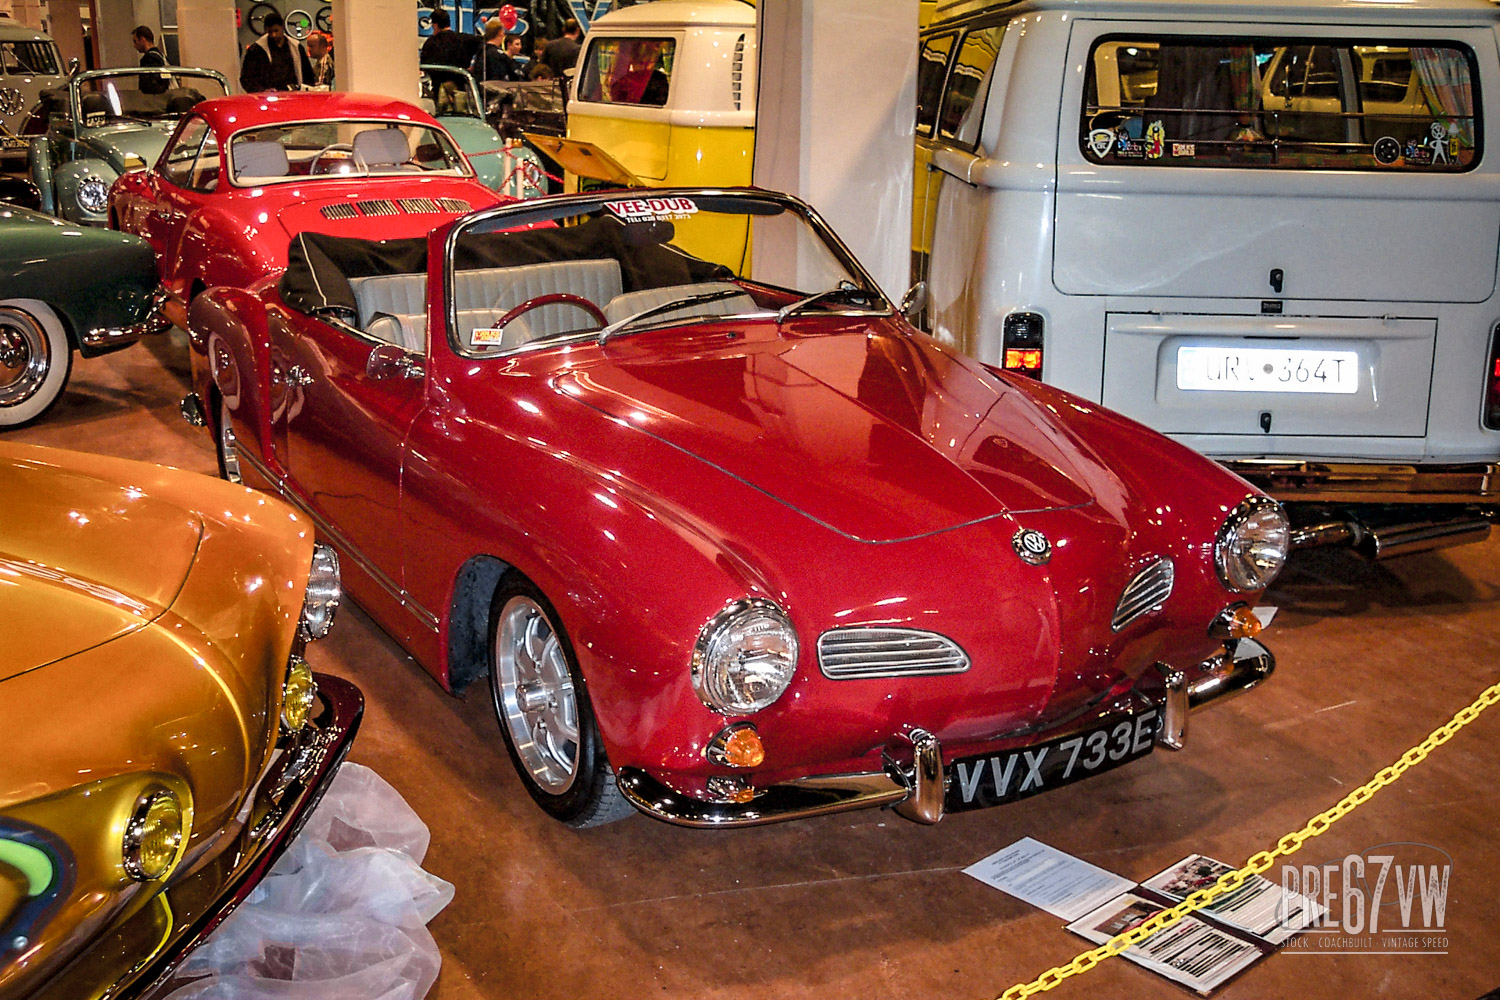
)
(342, 543)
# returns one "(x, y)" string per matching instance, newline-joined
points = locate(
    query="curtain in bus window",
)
(1447, 87)
(1197, 84)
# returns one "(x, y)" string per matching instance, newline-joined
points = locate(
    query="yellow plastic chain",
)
(1260, 862)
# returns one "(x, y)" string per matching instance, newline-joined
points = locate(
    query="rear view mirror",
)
(390, 361)
(914, 302)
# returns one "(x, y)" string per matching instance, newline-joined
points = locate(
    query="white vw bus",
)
(1269, 230)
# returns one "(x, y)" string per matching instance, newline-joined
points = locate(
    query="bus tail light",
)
(1023, 344)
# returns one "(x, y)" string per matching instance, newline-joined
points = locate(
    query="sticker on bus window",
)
(486, 337)
(1387, 150)
(1184, 149)
(654, 209)
(1101, 141)
(1156, 140)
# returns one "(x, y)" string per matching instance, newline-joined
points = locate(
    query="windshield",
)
(147, 96)
(277, 154)
(608, 265)
(447, 91)
(28, 58)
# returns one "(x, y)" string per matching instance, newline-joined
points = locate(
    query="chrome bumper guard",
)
(119, 336)
(193, 906)
(913, 780)
(1371, 482)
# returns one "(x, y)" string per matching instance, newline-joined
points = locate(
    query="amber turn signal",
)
(738, 745)
(1235, 622)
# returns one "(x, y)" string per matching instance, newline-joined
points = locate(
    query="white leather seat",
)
(484, 295)
(393, 308)
(631, 303)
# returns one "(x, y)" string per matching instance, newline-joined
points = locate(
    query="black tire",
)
(586, 795)
(36, 361)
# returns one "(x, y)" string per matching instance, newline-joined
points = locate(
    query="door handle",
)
(297, 375)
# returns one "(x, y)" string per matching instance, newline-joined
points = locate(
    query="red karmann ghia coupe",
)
(351, 164)
(732, 541)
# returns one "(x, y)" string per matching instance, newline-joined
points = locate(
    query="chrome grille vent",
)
(339, 211)
(418, 205)
(454, 205)
(849, 653)
(377, 206)
(737, 71)
(1146, 593)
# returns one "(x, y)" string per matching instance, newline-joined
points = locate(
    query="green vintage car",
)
(452, 97)
(104, 123)
(65, 287)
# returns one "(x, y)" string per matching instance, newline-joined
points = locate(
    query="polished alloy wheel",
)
(25, 357)
(534, 695)
(229, 456)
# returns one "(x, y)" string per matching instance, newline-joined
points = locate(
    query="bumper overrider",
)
(133, 958)
(915, 782)
(109, 337)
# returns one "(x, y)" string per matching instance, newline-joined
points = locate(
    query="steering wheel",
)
(256, 19)
(324, 20)
(557, 298)
(345, 147)
(298, 24)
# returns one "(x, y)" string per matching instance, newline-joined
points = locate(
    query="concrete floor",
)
(867, 905)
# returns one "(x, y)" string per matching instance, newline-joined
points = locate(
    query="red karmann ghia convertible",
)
(731, 540)
(351, 164)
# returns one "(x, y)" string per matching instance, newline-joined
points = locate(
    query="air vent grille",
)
(342, 210)
(455, 205)
(851, 653)
(737, 71)
(1145, 593)
(418, 205)
(377, 206)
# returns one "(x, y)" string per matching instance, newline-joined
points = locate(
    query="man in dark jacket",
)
(497, 59)
(144, 40)
(274, 61)
(447, 47)
(561, 54)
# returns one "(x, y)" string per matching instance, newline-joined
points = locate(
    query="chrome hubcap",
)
(227, 448)
(25, 357)
(534, 695)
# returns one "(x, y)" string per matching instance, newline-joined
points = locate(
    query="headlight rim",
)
(90, 182)
(133, 839)
(1252, 504)
(721, 620)
(314, 625)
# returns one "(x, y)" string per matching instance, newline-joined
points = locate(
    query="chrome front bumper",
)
(913, 780)
(155, 322)
(1371, 482)
(133, 958)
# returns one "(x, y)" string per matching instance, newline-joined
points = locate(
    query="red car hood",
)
(842, 427)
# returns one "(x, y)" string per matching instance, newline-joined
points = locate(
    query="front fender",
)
(231, 347)
(39, 157)
(66, 181)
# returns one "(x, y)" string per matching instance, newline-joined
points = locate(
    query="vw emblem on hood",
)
(12, 101)
(1032, 546)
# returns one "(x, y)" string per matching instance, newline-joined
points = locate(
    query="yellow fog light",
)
(153, 836)
(297, 695)
(737, 746)
(1235, 622)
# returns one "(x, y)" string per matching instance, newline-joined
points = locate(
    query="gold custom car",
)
(164, 739)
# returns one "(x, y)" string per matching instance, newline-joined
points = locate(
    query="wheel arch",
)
(469, 619)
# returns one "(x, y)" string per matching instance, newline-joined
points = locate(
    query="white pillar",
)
(834, 120)
(375, 47)
(206, 37)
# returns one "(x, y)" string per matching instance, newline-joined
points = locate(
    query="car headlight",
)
(153, 836)
(93, 195)
(1252, 544)
(323, 593)
(298, 692)
(745, 657)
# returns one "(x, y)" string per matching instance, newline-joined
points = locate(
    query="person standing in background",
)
(445, 47)
(561, 54)
(320, 56)
(144, 41)
(496, 60)
(274, 61)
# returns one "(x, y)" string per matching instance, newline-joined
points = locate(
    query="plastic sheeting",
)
(342, 916)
